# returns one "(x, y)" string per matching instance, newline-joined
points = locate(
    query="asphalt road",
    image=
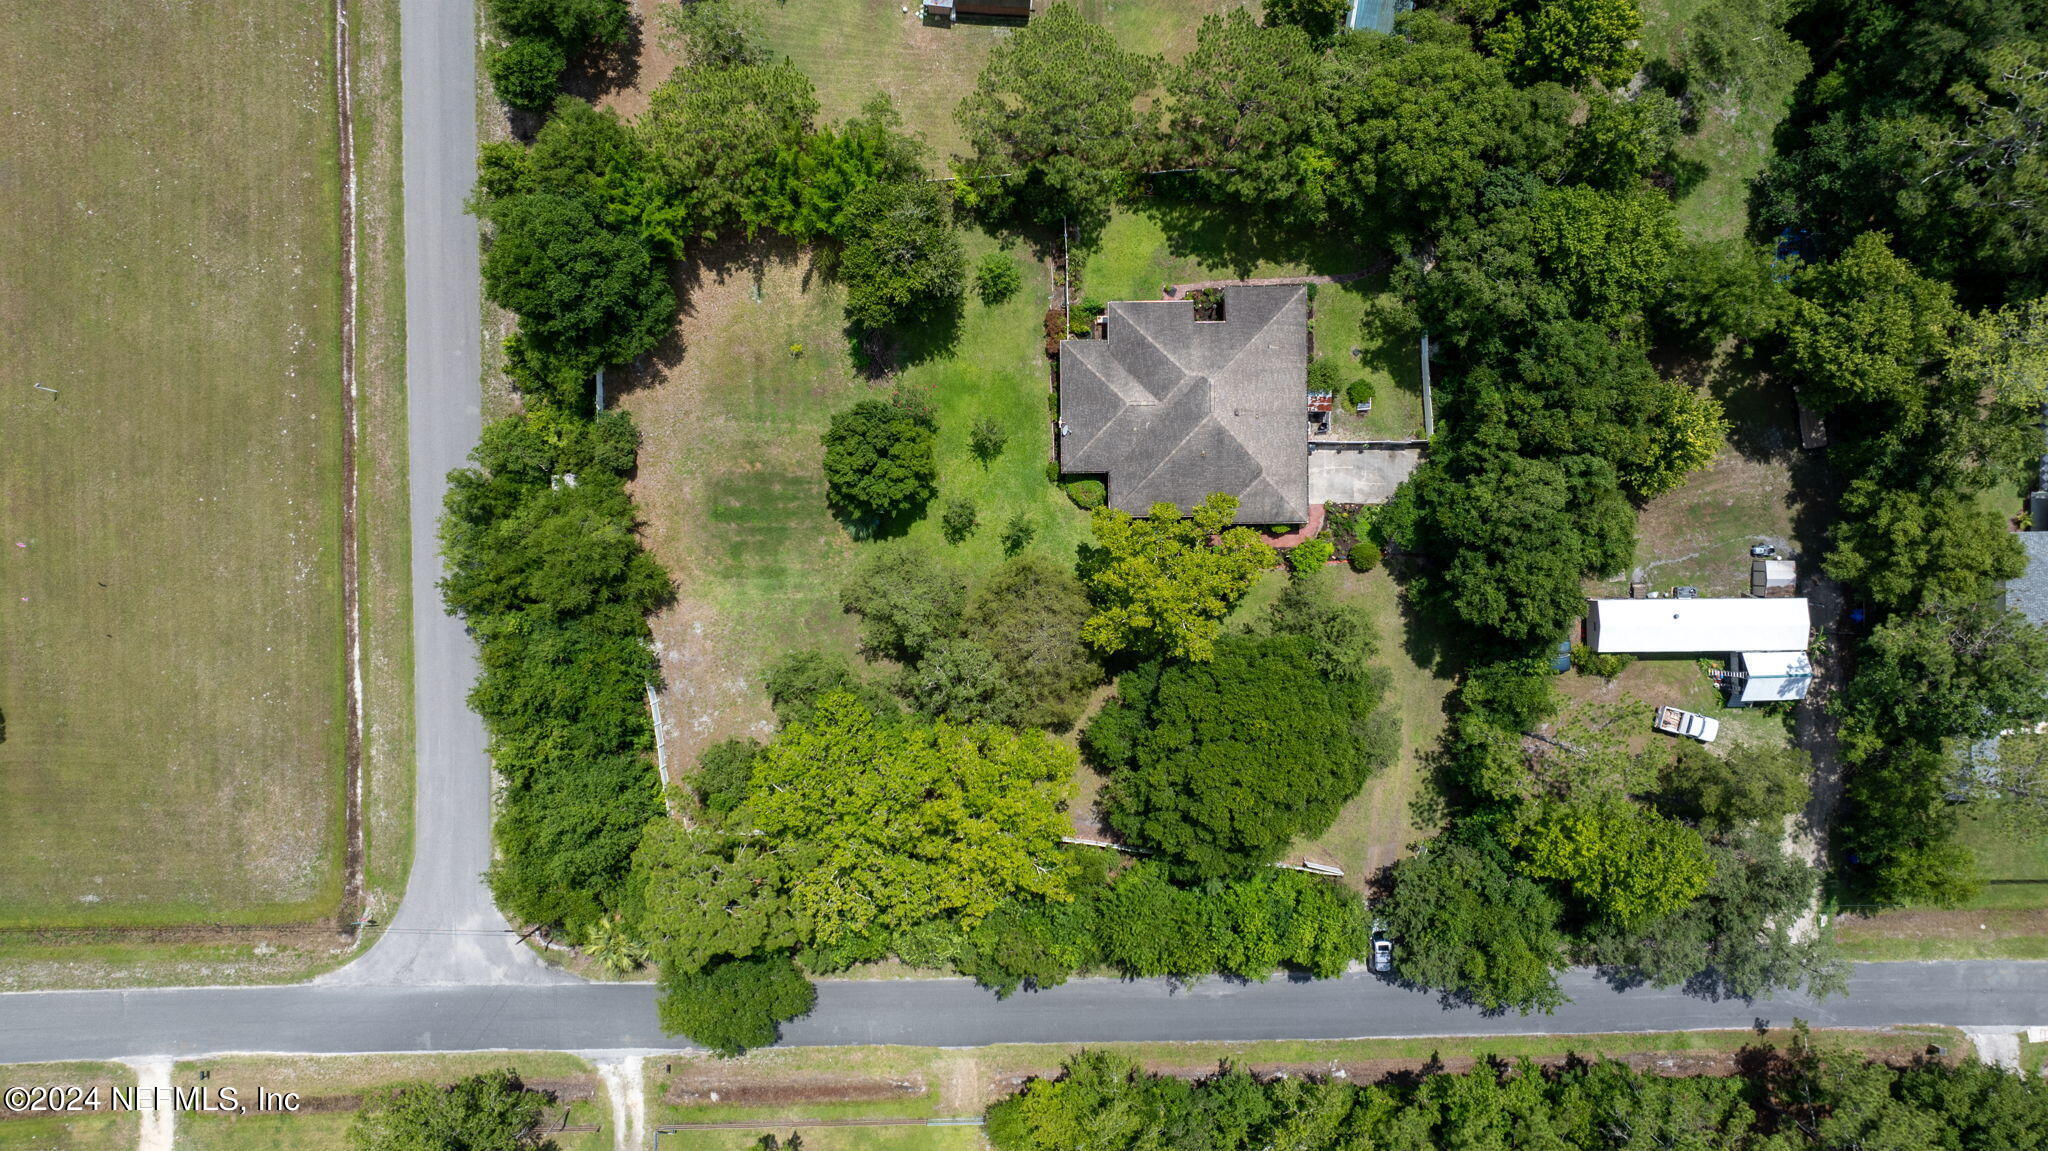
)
(447, 931)
(948, 1012)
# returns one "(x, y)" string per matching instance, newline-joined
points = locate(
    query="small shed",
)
(1768, 676)
(948, 10)
(1698, 626)
(1773, 578)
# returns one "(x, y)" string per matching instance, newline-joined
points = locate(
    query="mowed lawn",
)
(171, 613)
(852, 49)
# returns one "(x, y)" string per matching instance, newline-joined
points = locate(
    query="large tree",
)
(1220, 765)
(719, 136)
(489, 1111)
(735, 1004)
(881, 458)
(586, 296)
(1247, 114)
(1029, 616)
(1162, 584)
(1571, 41)
(700, 896)
(1625, 865)
(1867, 328)
(1052, 124)
(1970, 671)
(1466, 924)
(1417, 124)
(916, 821)
(902, 261)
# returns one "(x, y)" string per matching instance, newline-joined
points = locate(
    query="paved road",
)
(946, 1012)
(447, 931)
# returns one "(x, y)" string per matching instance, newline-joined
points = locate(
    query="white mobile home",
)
(1697, 626)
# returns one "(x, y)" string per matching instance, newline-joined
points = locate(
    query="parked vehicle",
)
(1676, 721)
(1382, 956)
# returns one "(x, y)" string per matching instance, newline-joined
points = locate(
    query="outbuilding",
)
(1768, 676)
(1698, 626)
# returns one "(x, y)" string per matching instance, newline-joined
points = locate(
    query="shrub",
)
(490, 1109)
(1325, 375)
(1359, 391)
(1590, 662)
(1018, 533)
(959, 520)
(1310, 555)
(527, 73)
(732, 1006)
(997, 278)
(1087, 494)
(723, 772)
(987, 440)
(1364, 556)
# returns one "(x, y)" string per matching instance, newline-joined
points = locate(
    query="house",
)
(1698, 626)
(1168, 408)
(949, 10)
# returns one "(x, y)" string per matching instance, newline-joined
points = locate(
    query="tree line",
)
(1808, 1095)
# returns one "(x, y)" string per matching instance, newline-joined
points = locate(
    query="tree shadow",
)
(1239, 241)
(878, 353)
(605, 69)
(1763, 415)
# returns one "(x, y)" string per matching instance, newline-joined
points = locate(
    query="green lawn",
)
(2014, 868)
(331, 1088)
(730, 479)
(168, 265)
(852, 49)
(77, 1131)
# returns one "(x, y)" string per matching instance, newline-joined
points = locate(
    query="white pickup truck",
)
(1675, 721)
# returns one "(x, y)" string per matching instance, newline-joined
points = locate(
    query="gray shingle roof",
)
(1172, 410)
(2028, 594)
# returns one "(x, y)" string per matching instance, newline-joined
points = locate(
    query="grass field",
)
(730, 478)
(76, 1131)
(331, 1087)
(852, 49)
(168, 265)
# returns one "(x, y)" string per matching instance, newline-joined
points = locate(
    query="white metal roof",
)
(1774, 675)
(1676, 626)
(1780, 573)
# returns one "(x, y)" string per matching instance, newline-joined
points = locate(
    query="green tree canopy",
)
(1747, 783)
(1220, 765)
(908, 598)
(527, 73)
(1029, 615)
(697, 896)
(1467, 925)
(1905, 544)
(1246, 112)
(881, 458)
(1571, 40)
(489, 1111)
(1626, 865)
(716, 134)
(915, 820)
(1418, 123)
(1162, 584)
(902, 260)
(736, 1004)
(1970, 670)
(1320, 19)
(1052, 124)
(1867, 329)
(586, 296)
